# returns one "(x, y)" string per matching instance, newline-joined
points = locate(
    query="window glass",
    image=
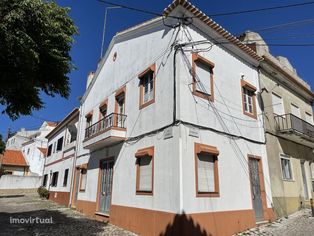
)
(277, 105)
(286, 168)
(146, 174)
(206, 173)
(65, 178)
(202, 77)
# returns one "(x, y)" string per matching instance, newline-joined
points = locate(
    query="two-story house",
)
(33, 145)
(171, 138)
(60, 158)
(287, 107)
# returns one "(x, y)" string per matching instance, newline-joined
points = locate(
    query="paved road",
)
(299, 224)
(64, 221)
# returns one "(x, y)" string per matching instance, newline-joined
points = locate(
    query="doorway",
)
(106, 176)
(306, 191)
(256, 188)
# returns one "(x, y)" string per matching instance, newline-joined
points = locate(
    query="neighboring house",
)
(15, 140)
(60, 158)
(288, 115)
(35, 147)
(171, 138)
(12, 162)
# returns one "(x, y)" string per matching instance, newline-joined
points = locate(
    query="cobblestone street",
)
(299, 224)
(64, 221)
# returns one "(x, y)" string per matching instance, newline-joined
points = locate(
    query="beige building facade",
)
(288, 117)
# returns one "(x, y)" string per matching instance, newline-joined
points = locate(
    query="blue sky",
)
(89, 16)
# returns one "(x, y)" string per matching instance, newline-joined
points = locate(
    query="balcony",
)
(108, 131)
(295, 129)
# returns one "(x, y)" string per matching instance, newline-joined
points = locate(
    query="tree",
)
(36, 38)
(2, 145)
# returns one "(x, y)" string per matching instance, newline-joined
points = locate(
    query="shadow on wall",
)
(184, 225)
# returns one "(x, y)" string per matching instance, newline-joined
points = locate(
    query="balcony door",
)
(120, 110)
(106, 176)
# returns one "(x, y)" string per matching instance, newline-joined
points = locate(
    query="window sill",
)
(252, 115)
(144, 193)
(203, 95)
(143, 105)
(288, 180)
(210, 194)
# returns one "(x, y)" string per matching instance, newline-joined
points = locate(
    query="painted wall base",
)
(62, 198)
(285, 206)
(149, 222)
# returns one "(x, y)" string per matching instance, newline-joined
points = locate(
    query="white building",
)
(34, 150)
(60, 158)
(171, 138)
(33, 145)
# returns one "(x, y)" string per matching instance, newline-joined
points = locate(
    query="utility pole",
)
(104, 30)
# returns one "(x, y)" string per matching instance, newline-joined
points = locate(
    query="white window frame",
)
(286, 157)
(247, 99)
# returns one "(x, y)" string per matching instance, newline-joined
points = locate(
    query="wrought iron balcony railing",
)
(114, 120)
(292, 123)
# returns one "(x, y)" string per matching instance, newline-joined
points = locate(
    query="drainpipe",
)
(75, 153)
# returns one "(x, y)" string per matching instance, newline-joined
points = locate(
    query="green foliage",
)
(43, 192)
(2, 145)
(36, 37)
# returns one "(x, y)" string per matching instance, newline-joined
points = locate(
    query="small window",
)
(28, 151)
(286, 167)
(145, 170)
(54, 181)
(248, 99)
(65, 177)
(45, 180)
(277, 105)
(83, 179)
(206, 167)
(49, 150)
(60, 144)
(147, 87)
(203, 81)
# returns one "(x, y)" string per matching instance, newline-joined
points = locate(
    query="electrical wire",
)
(261, 9)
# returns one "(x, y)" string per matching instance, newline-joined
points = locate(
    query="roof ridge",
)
(212, 24)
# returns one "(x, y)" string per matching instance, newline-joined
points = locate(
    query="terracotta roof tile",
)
(13, 158)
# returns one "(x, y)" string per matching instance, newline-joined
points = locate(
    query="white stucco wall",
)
(174, 166)
(20, 182)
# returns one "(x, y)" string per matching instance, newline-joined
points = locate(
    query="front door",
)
(306, 191)
(106, 168)
(256, 189)
(76, 185)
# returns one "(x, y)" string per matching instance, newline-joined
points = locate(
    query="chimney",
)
(89, 78)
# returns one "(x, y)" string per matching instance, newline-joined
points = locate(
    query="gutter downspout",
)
(75, 156)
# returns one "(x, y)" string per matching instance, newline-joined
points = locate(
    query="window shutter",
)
(206, 178)
(277, 105)
(146, 172)
(202, 77)
(295, 110)
(308, 118)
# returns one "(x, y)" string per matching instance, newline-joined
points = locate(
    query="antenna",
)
(104, 30)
